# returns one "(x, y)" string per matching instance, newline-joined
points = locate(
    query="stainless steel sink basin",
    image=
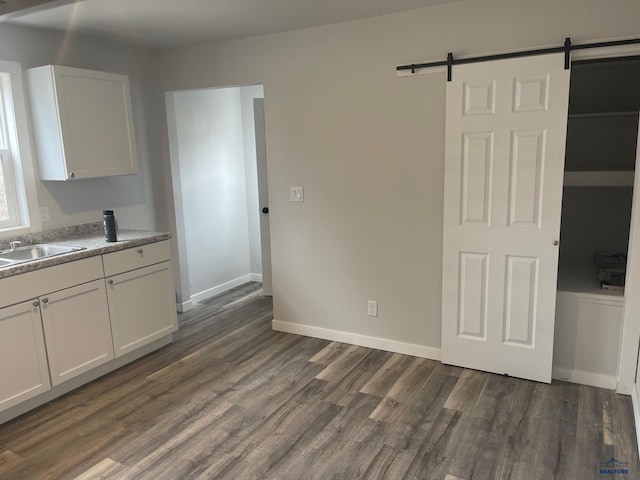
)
(5, 263)
(33, 252)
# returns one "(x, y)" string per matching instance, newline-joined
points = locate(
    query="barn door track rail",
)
(566, 48)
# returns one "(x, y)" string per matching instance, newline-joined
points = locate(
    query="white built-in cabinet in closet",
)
(83, 123)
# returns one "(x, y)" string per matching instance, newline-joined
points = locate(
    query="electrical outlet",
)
(44, 214)
(372, 308)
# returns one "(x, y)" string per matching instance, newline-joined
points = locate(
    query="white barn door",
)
(504, 160)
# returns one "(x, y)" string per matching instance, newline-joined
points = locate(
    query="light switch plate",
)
(297, 194)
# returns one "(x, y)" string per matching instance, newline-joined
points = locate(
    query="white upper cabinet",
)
(83, 125)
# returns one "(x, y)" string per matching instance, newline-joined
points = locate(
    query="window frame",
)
(17, 159)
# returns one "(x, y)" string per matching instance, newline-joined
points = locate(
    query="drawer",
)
(136, 257)
(29, 285)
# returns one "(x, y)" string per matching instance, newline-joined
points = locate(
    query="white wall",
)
(210, 148)
(368, 148)
(602, 143)
(247, 94)
(132, 197)
(595, 219)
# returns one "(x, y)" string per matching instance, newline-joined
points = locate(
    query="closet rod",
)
(566, 48)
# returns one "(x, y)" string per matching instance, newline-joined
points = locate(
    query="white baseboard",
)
(585, 378)
(184, 306)
(356, 339)
(217, 290)
(573, 376)
(636, 413)
(256, 277)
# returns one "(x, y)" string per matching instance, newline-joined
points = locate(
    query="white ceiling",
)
(170, 23)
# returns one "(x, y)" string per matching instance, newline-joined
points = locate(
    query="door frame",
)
(263, 194)
(175, 204)
(630, 337)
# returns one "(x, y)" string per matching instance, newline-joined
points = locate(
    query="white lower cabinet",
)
(85, 322)
(77, 330)
(142, 306)
(23, 358)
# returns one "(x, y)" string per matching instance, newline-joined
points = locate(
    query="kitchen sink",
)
(33, 252)
(6, 263)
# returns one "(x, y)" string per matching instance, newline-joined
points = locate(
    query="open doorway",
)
(218, 165)
(596, 216)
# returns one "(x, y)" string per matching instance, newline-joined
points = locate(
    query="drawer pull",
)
(110, 282)
(45, 300)
(140, 251)
(36, 303)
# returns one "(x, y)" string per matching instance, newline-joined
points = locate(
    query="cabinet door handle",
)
(36, 303)
(110, 282)
(140, 251)
(72, 175)
(45, 300)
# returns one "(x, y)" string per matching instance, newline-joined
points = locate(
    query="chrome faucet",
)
(13, 245)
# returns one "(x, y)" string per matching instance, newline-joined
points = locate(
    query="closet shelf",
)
(633, 113)
(599, 178)
(578, 275)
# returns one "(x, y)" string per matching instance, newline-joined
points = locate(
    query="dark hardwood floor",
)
(232, 399)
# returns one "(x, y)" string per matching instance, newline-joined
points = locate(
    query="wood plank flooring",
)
(232, 399)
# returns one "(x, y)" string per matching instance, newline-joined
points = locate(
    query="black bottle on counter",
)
(109, 226)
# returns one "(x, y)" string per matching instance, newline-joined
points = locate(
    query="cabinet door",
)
(142, 306)
(96, 122)
(23, 359)
(77, 330)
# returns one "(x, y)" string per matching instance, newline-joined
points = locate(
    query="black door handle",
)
(265, 210)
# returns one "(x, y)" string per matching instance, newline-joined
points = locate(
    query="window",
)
(17, 184)
(8, 201)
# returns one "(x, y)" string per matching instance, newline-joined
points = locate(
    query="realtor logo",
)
(613, 467)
